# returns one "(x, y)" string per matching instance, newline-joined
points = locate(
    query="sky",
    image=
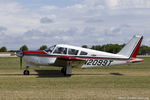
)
(73, 22)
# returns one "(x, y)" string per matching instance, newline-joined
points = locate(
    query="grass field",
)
(127, 82)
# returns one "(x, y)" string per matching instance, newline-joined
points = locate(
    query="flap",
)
(75, 61)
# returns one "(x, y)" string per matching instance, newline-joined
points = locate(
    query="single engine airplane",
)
(67, 57)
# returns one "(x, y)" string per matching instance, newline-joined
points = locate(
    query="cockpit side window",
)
(72, 52)
(83, 53)
(60, 50)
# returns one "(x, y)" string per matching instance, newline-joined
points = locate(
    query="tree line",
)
(22, 48)
(115, 48)
(112, 48)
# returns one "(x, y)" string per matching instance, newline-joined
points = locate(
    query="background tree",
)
(112, 48)
(43, 47)
(24, 48)
(3, 49)
(97, 47)
(144, 49)
(84, 46)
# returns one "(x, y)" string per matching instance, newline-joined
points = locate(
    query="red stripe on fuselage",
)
(34, 52)
(69, 58)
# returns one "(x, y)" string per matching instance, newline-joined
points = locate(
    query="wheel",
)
(65, 74)
(63, 70)
(68, 75)
(26, 72)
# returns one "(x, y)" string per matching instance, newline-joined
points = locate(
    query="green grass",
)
(47, 83)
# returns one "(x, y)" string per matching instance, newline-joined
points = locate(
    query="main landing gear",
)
(67, 71)
(26, 71)
(64, 71)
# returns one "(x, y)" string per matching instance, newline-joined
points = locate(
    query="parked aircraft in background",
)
(67, 57)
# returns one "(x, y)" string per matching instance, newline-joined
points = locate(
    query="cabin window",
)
(72, 52)
(83, 53)
(60, 50)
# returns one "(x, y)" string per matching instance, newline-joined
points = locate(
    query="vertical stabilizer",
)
(131, 49)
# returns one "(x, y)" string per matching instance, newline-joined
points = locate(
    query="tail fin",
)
(132, 47)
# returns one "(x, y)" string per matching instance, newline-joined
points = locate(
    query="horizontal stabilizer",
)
(137, 60)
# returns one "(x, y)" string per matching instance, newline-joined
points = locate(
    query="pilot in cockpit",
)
(61, 50)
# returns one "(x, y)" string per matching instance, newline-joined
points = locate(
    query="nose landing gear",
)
(26, 71)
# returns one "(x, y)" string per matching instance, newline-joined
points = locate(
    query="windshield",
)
(50, 49)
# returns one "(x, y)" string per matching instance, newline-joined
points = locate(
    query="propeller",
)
(20, 54)
(21, 62)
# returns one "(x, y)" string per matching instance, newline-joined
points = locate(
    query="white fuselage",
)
(93, 59)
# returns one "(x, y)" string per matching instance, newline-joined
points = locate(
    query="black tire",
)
(26, 72)
(65, 74)
(63, 70)
(68, 75)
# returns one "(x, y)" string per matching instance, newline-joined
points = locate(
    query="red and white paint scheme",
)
(67, 56)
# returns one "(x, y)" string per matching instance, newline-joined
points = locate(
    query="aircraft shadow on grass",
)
(57, 73)
(119, 74)
(49, 73)
(11, 74)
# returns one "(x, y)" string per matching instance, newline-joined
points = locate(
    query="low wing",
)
(75, 61)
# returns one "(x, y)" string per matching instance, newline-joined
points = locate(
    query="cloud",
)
(85, 22)
(49, 8)
(46, 20)
(94, 20)
(2, 29)
(116, 30)
(117, 4)
(7, 6)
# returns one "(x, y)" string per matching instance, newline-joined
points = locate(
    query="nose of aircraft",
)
(19, 54)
